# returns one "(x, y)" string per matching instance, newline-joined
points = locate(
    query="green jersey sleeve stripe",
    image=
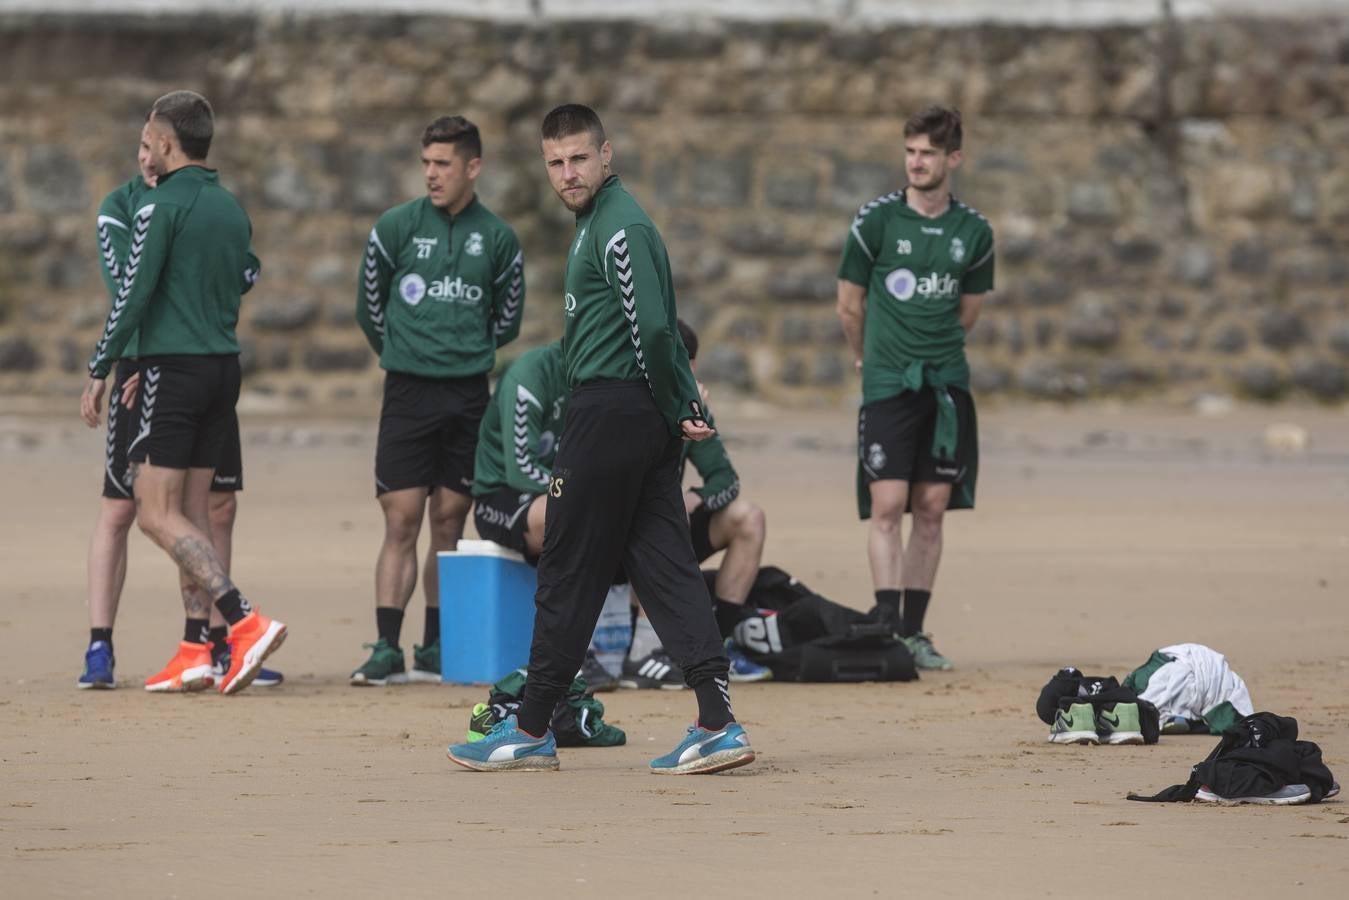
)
(510, 310)
(375, 241)
(373, 305)
(523, 458)
(987, 257)
(626, 287)
(105, 246)
(518, 261)
(133, 261)
(861, 243)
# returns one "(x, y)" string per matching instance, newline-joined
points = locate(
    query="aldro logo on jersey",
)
(413, 289)
(903, 284)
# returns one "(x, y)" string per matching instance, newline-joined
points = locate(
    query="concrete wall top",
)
(1062, 13)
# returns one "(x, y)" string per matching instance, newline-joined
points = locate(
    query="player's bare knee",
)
(927, 518)
(753, 524)
(119, 515)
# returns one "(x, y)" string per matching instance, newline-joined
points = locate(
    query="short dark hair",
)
(190, 117)
(455, 130)
(941, 124)
(572, 118)
(689, 337)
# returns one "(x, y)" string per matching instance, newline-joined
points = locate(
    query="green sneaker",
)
(480, 722)
(1120, 724)
(425, 663)
(1075, 725)
(385, 666)
(925, 656)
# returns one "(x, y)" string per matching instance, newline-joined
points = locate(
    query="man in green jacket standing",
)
(187, 266)
(917, 265)
(442, 286)
(614, 495)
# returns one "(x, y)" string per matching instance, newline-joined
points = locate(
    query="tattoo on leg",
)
(195, 602)
(198, 562)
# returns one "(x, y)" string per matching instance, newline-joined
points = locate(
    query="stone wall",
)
(1171, 200)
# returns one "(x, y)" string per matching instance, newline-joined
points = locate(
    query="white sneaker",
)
(1288, 795)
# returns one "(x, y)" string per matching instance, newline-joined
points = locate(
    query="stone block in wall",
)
(1045, 291)
(1248, 258)
(791, 187)
(1229, 338)
(1321, 378)
(6, 188)
(826, 369)
(859, 181)
(1188, 338)
(792, 371)
(747, 329)
(1050, 379)
(1180, 371)
(802, 284)
(989, 378)
(322, 358)
(1304, 200)
(725, 364)
(54, 181)
(1337, 338)
(685, 43)
(72, 356)
(1114, 376)
(984, 334)
(1334, 196)
(504, 90)
(1171, 307)
(760, 237)
(1194, 265)
(1092, 323)
(721, 181)
(372, 184)
(1045, 331)
(1094, 202)
(1239, 189)
(1280, 329)
(1135, 250)
(1155, 337)
(1261, 380)
(19, 354)
(795, 329)
(1014, 336)
(284, 314)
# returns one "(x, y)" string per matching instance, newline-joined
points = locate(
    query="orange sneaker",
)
(251, 640)
(189, 670)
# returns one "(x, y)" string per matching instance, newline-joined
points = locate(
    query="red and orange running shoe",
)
(189, 670)
(251, 640)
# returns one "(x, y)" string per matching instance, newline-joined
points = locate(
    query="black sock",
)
(218, 636)
(714, 703)
(431, 633)
(101, 634)
(233, 606)
(195, 630)
(389, 621)
(889, 597)
(915, 607)
(533, 718)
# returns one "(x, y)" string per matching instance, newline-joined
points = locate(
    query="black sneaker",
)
(654, 671)
(596, 676)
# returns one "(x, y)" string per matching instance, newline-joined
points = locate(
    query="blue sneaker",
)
(220, 664)
(704, 752)
(742, 667)
(98, 663)
(507, 748)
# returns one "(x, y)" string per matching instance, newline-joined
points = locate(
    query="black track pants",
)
(615, 499)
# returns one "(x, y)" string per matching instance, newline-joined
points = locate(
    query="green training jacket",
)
(519, 434)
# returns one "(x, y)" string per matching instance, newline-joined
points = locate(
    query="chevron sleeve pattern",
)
(372, 297)
(140, 276)
(508, 292)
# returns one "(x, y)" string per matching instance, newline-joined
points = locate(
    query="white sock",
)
(644, 639)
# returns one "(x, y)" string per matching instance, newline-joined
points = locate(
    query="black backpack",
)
(804, 636)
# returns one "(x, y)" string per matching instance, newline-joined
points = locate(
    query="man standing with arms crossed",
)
(614, 496)
(917, 266)
(185, 272)
(442, 287)
(117, 512)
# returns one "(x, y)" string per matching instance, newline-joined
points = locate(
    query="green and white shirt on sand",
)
(518, 437)
(439, 294)
(915, 270)
(619, 304)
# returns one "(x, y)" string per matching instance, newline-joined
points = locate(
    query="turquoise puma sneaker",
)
(506, 748)
(703, 752)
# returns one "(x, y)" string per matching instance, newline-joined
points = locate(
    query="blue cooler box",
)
(486, 612)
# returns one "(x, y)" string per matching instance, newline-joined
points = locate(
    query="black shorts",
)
(503, 516)
(116, 478)
(700, 530)
(229, 473)
(428, 432)
(184, 412)
(895, 438)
